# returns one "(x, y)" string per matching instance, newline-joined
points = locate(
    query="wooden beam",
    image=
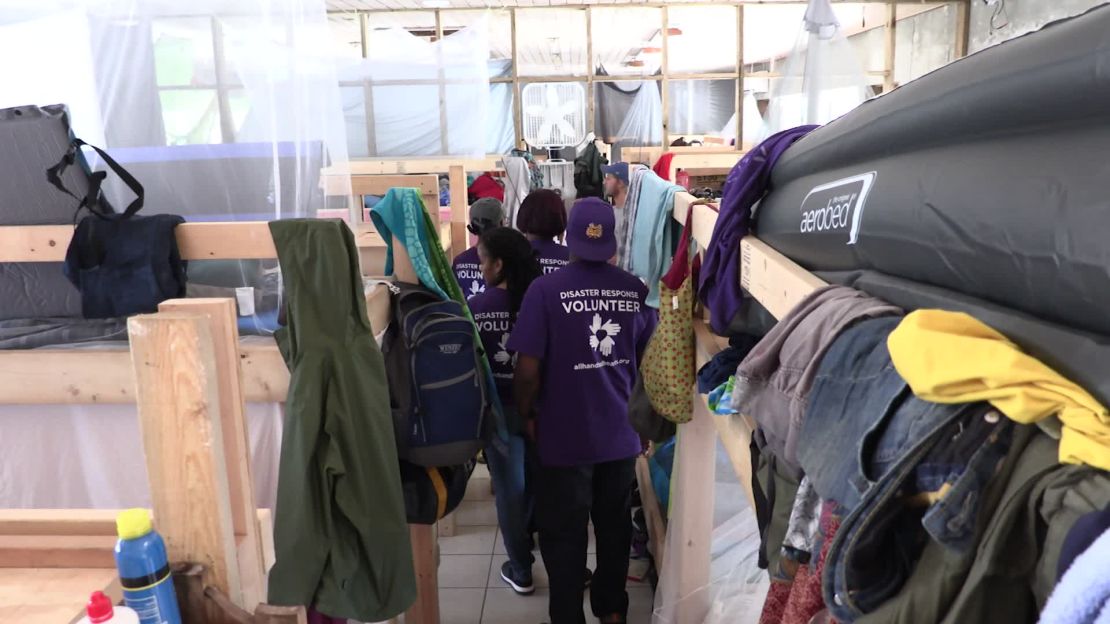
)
(221, 316)
(177, 389)
(518, 109)
(426, 608)
(704, 219)
(364, 33)
(85, 522)
(441, 77)
(591, 68)
(963, 30)
(772, 278)
(665, 86)
(460, 237)
(890, 45)
(57, 551)
(405, 166)
(740, 80)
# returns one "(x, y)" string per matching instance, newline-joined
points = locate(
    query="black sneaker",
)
(521, 585)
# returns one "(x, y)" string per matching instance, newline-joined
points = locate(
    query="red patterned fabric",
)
(805, 599)
(775, 605)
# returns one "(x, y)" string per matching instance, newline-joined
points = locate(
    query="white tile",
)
(469, 540)
(503, 606)
(476, 513)
(478, 490)
(464, 571)
(641, 601)
(539, 573)
(461, 606)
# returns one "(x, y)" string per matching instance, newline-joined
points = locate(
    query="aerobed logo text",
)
(837, 206)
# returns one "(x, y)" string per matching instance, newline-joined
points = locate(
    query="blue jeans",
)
(514, 500)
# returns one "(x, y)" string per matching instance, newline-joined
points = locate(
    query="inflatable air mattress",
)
(988, 177)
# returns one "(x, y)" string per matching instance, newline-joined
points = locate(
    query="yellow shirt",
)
(950, 357)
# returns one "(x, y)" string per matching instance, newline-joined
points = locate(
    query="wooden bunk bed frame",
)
(778, 284)
(191, 415)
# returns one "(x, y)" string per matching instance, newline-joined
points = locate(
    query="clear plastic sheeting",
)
(225, 110)
(737, 586)
(643, 121)
(822, 77)
(754, 125)
(388, 119)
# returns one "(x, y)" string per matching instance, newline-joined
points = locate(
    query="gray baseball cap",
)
(486, 213)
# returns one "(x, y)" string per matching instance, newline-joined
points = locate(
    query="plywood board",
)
(177, 392)
(57, 551)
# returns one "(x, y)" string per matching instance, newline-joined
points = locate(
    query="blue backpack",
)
(437, 392)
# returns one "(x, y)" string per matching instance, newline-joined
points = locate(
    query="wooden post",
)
(963, 32)
(447, 527)
(739, 78)
(177, 390)
(221, 317)
(891, 43)
(459, 234)
(665, 85)
(441, 77)
(518, 108)
(692, 511)
(426, 608)
(591, 67)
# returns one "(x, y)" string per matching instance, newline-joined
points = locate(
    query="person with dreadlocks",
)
(508, 266)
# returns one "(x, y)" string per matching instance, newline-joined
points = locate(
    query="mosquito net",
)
(822, 77)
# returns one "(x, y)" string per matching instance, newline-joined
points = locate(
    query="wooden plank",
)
(85, 522)
(518, 108)
(426, 608)
(963, 31)
(691, 511)
(460, 237)
(104, 376)
(665, 90)
(890, 42)
(177, 392)
(447, 526)
(393, 166)
(740, 80)
(772, 278)
(373, 184)
(221, 315)
(243, 240)
(705, 218)
(707, 162)
(653, 513)
(54, 595)
(57, 551)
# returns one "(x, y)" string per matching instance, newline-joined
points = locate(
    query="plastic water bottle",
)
(144, 570)
(100, 609)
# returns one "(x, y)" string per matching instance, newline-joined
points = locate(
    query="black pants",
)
(566, 500)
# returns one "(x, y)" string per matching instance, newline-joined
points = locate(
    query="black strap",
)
(762, 505)
(96, 181)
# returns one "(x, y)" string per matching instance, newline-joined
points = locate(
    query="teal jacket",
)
(340, 535)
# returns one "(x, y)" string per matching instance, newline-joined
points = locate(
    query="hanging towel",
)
(1083, 595)
(746, 184)
(652, 239)
(626, 216)
(340, 534)
(950, 357)
(401, 214)
(518, 184)
(662, 167)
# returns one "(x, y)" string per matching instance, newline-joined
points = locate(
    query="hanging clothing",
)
(340, 535)
(746, 184)
(662, 167)
(773, 382)
(588, 179)
(518, 183)
(652, 238)
(485, 186)
(950, 357)
(1083, 595)
(626, 216)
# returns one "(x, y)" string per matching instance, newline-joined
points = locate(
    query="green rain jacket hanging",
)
(340, 535)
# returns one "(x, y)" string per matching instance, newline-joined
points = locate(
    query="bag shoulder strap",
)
(96, 181)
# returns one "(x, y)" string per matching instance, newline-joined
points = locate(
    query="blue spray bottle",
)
(144, 570)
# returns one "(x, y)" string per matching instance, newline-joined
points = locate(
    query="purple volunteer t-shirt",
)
(589, 325)
(491, 315)
(552, 255)
(469, 273)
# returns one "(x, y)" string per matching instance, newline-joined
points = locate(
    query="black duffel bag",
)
(121, 263)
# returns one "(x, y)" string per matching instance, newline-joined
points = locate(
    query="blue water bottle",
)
(144, 570)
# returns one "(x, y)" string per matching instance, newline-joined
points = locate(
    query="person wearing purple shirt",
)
(485, 214)
(508, 266)
(543, 219)
(579, 337)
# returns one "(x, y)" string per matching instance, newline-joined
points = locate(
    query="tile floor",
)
(470, 586)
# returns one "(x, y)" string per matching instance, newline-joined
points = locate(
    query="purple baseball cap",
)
(591, 230)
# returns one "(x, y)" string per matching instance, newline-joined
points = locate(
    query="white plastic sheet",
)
(407, 118)
(822, 77)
